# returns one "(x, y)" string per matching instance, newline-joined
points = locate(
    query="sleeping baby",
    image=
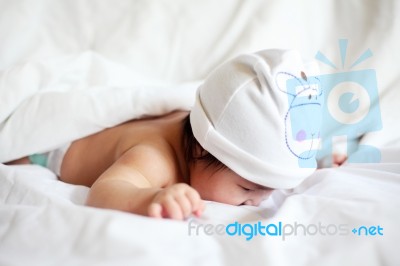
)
(247, 134)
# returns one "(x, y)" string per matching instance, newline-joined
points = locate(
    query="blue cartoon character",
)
(303, 117)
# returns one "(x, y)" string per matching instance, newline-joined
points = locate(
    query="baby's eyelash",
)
(246, 189)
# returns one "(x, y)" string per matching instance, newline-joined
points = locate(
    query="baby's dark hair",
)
(194, 151)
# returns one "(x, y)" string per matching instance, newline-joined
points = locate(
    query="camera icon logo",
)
(351, 109)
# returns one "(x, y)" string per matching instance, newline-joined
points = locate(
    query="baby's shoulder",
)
(153, 158)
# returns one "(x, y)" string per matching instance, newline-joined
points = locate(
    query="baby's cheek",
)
(229, 197)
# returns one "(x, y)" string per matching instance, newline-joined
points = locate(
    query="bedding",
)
(42, 102)
(72, 68)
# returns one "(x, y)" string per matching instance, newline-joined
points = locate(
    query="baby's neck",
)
(173, 132)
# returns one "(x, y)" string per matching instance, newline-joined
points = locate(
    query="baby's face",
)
(226, 186)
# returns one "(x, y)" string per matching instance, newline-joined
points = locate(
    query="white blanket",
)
(48, 104)
(66, 65)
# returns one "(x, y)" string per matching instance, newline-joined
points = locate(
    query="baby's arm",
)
(135, 183)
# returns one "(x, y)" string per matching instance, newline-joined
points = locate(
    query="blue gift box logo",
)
(351, 108)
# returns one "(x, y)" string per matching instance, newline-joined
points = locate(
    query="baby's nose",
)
(258, 198)
(255, 201)
(251, 202)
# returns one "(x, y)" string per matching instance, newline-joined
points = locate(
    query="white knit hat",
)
(259, 114)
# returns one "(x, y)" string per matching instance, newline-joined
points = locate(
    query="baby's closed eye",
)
(247, 189)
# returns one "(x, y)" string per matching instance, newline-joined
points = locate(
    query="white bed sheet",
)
(43, 221)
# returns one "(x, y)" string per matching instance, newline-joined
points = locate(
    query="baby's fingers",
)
(185, 205)
(172, 208)
(197, 203)
(155, 210)
(169, 208)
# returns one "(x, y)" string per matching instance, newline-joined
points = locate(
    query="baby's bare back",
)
(89, 157)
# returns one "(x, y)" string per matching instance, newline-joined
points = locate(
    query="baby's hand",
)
(176, 202)
(338, 159)
(335, 160)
